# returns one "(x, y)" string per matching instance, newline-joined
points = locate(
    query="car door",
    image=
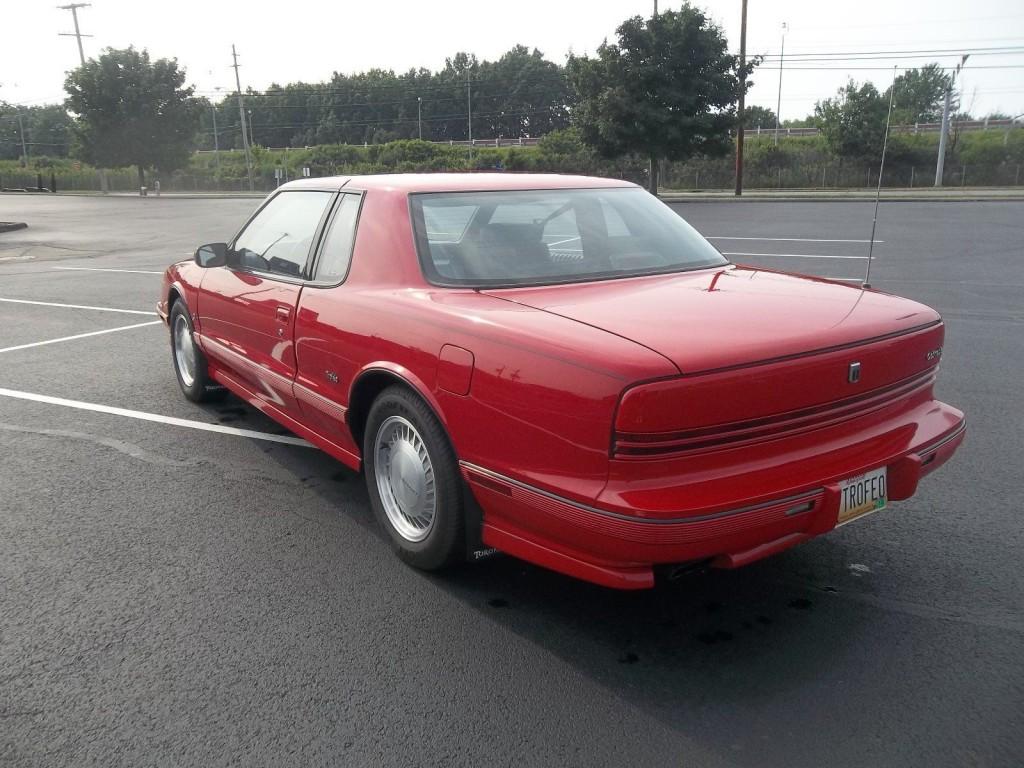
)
(247, 309)
(326, 348)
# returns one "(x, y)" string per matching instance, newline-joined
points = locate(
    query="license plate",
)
(861, 495)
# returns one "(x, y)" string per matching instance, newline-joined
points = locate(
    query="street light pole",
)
(419, 115)
(778, 105)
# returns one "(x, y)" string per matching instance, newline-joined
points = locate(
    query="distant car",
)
(562, 369)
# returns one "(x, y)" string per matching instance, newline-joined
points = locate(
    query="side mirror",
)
(212, 255)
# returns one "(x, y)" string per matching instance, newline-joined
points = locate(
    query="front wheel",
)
(189, 360)
(413, 480)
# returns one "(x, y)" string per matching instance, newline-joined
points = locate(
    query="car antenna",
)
(878, 190)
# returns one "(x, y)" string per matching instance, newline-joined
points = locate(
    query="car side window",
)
(336, 253)
(279, 238)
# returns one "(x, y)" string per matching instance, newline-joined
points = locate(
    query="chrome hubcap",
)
(405, 479)
(184, 351)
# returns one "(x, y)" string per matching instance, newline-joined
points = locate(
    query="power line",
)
(341, 123)
(411, 99)
(993, 50)
(886, 69)
(407, 85)
(889, 56)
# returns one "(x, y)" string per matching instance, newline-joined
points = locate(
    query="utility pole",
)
(216, 141)
(778, 105)
(655, 7)
(419, 115)
(942, 139)
(941, 161)
(469, 108)
(24, 150)
(241, 115)
(740, 123)
(77, 34)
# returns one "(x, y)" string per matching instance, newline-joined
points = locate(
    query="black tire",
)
(202, 388)
(444, 544)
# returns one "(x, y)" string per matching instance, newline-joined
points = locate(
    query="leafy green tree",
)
(133, 111)
(920, 94)
(47, 130)
(667, 89)
(759, 116)
(853, 122)
(799, 122)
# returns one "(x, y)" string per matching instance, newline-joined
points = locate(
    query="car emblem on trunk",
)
(854, 374)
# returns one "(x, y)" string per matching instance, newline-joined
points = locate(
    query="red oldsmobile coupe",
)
(562, 369)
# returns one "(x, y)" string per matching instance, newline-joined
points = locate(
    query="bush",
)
(991, 157)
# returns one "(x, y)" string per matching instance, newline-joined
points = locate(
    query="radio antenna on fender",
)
(878, 190)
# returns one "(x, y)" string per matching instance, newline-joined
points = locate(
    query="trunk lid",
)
(731, 317)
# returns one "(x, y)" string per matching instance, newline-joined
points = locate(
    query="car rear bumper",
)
(605, 543)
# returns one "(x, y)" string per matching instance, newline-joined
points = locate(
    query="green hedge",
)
(978, 158)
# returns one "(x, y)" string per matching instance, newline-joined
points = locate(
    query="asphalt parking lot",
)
(171, 595)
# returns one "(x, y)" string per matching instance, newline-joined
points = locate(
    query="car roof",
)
(407, 183)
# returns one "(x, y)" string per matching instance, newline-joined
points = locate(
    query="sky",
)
(308, 40)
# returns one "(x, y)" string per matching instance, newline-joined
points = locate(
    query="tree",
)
(46, 129)
(853, 122)
(131, 111)
(762, 117)
(920, 94)
(666, 90)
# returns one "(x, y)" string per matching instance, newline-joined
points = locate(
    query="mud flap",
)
(475, 548)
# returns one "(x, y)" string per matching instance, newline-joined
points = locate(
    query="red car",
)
(562, 369)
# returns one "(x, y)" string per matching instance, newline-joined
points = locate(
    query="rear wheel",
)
(189, 360)
(412, 477)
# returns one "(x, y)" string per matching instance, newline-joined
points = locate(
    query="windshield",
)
(552, 236)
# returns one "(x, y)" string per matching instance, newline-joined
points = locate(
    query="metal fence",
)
(837, 176)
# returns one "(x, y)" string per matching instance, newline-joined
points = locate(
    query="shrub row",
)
(980, 158)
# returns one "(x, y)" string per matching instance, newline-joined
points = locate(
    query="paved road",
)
(170, 596)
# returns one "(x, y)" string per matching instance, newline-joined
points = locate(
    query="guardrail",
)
(956, 125)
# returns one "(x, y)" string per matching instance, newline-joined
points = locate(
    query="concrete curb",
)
(787, 199)
(668, 197)
(10, 226)
(164, 196)
(791, 196)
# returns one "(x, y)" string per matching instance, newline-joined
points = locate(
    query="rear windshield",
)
(552, 236)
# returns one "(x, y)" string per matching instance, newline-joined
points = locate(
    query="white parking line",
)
(80, 336)
(99, 269)
(154, 417)
(789, 239)
(148, 313)
(794, 255)
(561, 242)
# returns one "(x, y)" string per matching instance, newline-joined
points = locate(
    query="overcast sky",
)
(284, 42)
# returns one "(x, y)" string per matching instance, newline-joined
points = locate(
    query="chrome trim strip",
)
(318, 401)
(942, 441)
(630, 518)
(225, 352)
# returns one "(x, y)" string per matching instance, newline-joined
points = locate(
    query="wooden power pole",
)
(740, 122)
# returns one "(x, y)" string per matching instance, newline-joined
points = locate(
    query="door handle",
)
(282, 314)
